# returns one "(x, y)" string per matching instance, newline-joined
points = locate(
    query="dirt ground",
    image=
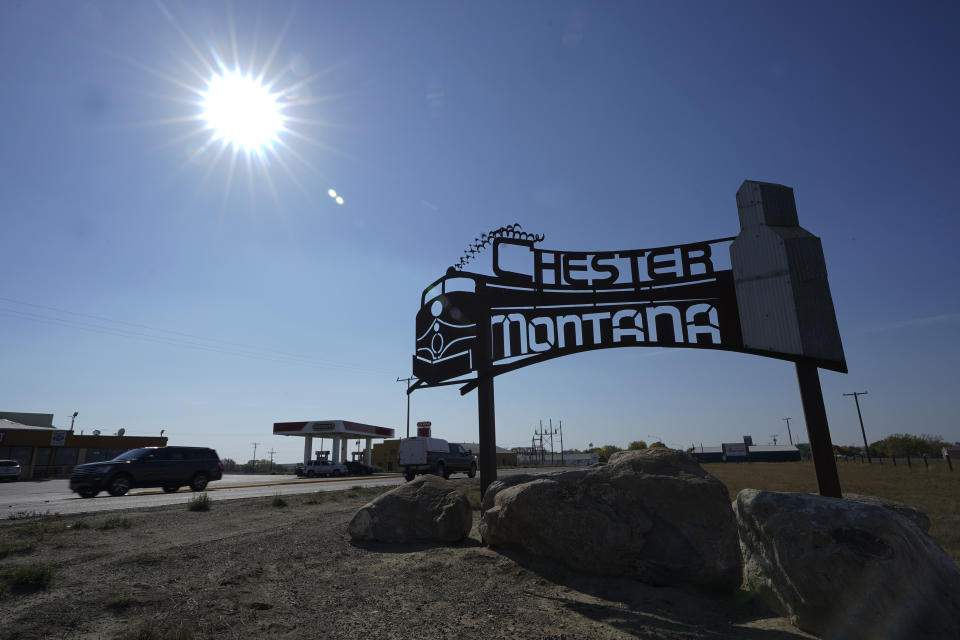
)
(254, 569)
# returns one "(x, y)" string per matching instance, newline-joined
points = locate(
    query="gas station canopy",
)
(330, 429)
(340, 431)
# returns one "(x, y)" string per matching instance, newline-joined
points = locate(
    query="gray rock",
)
(913, 514)
(846, 570)
(654, 515)
(428, 509)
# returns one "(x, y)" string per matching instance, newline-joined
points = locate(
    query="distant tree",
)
(904, 444)
(804, 450)
(256, 466)
(691, 449)
(658, 445)
(607, 450)
(636, 445)
(229, 464)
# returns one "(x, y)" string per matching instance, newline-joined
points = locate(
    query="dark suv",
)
(167, 467)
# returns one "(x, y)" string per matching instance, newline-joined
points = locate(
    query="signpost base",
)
(821, 447)
(488, 433)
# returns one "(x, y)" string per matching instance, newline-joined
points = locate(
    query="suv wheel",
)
(473, 470)
(442, 470)
(310, 473)
(336, 473)
(409, 476)
(199, 482)
(88, 493)
(119, 485)
(171, 489)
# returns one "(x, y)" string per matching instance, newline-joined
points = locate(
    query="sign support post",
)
(488, 447)
(821, 446)
(486, 407)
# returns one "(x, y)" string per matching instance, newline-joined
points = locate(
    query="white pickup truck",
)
(434, 455)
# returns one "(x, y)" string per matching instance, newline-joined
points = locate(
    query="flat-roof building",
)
(44, 451)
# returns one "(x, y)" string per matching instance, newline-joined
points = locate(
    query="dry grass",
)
(199, 502)
(356, 491)
(935, 491)
(23, 579)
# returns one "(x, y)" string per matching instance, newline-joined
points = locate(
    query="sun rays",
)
(242, 117)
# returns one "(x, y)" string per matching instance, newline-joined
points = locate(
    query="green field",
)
(935, 491)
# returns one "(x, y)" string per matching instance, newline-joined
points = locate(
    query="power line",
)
(172, 338)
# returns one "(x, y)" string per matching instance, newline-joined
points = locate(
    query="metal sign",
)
(566, 302)
(424, 423)
(535, 304)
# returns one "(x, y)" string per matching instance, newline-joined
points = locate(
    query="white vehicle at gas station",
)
(322, 468)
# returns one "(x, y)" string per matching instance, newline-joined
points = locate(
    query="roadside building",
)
(754, 453)
(384, 456)
(44, 451)
(774, 453)
(708, 454)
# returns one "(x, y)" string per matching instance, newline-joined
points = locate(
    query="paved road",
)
(55, 497)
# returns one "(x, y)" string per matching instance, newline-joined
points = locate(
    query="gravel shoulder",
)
(250, 569)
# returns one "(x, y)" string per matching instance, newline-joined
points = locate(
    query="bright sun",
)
(242, 112)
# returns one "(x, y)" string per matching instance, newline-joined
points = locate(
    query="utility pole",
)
(551, 441)
(271, 459)
(541, 433)
(72, 420)
(255, 455)
(866, 447)
(563, 460)
(790, 435)
(408, 381)
(774, 438)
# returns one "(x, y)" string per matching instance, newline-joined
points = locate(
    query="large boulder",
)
(428, 509)
(654, 515)
(843, 569)
(913, 514)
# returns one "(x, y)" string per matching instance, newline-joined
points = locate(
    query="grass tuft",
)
(318, 497)
(9, 548)
(115, 523)
(278, 501)
(151, 631)
(199, 502)
(33, 577)
(122, 603)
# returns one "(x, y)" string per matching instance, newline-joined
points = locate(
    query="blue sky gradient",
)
(142, 287)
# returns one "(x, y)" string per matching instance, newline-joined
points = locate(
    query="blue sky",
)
(143, 287)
